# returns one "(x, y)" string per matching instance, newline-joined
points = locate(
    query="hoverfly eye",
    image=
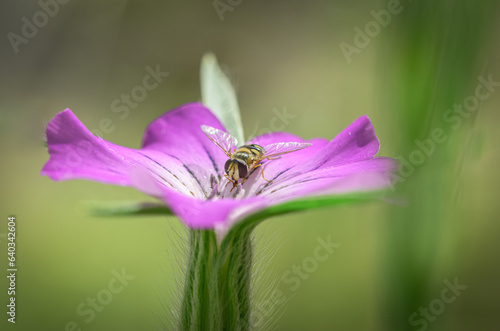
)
(242, 170)
(226, 166)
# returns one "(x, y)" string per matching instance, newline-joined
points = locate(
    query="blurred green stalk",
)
(435, 64)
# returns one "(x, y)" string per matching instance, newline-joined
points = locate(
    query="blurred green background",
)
(395, 256)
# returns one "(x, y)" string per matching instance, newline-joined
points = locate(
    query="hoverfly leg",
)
(229, 180)
(260, 165)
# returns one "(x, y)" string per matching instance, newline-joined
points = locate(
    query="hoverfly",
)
(247, 157)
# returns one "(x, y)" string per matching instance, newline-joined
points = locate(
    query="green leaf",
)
(219, 96)
(127, 208)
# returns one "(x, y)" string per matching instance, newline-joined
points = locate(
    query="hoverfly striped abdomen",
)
(249, 153)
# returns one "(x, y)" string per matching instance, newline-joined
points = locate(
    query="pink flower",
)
(180, 165)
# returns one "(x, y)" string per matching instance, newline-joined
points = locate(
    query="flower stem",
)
(217, 285)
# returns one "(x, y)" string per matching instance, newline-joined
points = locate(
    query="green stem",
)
(217, 285)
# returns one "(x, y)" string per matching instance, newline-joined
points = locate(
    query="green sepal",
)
(299, 205)
(219, 96)
(127, 208)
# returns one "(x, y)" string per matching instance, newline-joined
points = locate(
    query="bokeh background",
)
(395, 256)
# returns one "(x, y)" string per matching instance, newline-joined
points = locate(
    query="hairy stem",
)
(217, 285)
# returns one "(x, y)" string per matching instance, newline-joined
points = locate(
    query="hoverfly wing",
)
(224, 140)
(277, 149)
